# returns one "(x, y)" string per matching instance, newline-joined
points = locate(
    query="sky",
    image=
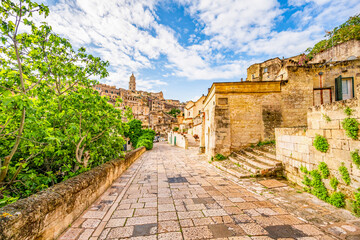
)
(181, 47)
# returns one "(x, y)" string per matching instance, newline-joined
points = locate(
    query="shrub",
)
(348, 111)
(337, 199)
(334, 182)
(318, 187)
(356, 203)
(323, 168)
(351, 126)
(355, 157)
(148, 144)
(320, 143)
(263, 143)
(306, 181)
(304, 169)
(220, 157)
(176, 129)
(326, 117)
(146, 139)
(344, 174)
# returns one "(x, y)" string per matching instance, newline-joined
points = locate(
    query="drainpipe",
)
(321, 91)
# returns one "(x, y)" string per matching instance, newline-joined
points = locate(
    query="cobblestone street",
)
(172, 193)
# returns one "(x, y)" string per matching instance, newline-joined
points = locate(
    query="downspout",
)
(321, 90)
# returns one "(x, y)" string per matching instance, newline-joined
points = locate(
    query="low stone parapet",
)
(47, 214)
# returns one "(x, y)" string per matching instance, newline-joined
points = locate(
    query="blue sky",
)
(181, 46)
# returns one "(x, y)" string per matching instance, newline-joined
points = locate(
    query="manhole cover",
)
(177, 180)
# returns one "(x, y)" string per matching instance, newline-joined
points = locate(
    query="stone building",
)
(193, 116)
(277, 93)
(148, 107)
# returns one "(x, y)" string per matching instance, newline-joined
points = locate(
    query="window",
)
(253, 76)
(344, 88)
(265, 70)
(222, 101)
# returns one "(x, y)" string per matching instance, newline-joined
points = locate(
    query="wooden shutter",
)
(353, 89)
(338, 88)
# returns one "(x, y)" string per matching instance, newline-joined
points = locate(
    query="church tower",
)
(132, 83)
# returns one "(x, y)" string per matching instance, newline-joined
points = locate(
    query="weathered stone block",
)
(333, 124)
(338, 134)
(312, 132)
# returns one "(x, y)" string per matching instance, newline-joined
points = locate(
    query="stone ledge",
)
(47, 214)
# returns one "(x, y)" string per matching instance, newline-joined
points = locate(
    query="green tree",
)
(174, 112)
(345, 32)
(53, 125)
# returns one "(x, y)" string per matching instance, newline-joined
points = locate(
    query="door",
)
(175, 140)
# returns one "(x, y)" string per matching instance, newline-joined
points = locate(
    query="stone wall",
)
(47, 214)
(177, 139)
(294, 146)
(339, 52)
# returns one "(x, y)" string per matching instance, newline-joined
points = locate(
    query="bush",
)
(356, 203)
(355, 157)
(176, 129)
(334, 182)
(220, 157)
(323, 168)
(337, 199)
(320, 143)
(146, 139)
(148, 144)
(351, 126)
(318, 187)
(344, 174)
(263, 143)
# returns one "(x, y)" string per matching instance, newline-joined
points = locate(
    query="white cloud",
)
(129, 34)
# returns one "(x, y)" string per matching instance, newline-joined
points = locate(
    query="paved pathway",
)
(171, 193)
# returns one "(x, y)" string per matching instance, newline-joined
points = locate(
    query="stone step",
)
(266, 153)
(245, 165)
(232, 170)
(262, 158)
(252, 160)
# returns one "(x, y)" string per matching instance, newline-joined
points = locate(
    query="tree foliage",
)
(53, 125)
(174, 112)
(345, 32)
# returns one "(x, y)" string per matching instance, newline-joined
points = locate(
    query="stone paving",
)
(172, 193)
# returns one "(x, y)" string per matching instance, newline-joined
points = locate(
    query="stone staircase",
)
(250, 162)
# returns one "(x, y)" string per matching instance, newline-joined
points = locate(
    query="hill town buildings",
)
(277, 93)
(151, 108)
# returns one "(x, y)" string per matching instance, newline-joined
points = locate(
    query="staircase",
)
(258, 161)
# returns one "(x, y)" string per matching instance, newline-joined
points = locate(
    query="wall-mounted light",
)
(321, 73)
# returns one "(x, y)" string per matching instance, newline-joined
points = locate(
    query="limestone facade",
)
(193, 115)
(277, 93)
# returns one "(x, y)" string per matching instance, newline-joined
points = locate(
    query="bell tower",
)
(132, 83)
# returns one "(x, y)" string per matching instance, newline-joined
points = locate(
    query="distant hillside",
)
(345, 32)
